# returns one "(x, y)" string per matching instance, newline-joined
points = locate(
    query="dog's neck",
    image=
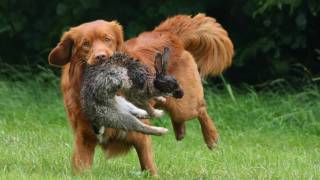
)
(71, 81)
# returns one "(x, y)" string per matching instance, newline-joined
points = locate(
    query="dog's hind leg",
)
(208, 128)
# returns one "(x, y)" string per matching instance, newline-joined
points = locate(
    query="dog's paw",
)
(158, 113)
(213, 141)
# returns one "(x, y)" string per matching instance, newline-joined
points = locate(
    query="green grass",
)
(263, 136)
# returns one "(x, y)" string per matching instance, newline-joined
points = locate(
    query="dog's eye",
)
(86, 44)
(107, 39)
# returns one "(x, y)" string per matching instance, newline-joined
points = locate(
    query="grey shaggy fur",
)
(101, 82)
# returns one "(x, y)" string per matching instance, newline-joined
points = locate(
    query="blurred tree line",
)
(274, 39)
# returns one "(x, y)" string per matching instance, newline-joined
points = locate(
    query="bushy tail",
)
(204, 38)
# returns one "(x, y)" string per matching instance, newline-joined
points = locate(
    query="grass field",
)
(262, 136)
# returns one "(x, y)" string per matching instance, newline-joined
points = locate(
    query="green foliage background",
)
(273, 38)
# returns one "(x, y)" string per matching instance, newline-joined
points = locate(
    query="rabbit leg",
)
(132, 109)
(129, 122)
(100, 135)
(157, 113)
(160, 99)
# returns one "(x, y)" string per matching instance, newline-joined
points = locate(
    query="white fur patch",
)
(100, 136)
(158, 113)
(129, 107)
(121, 135)
(127, 83)
(160, 99)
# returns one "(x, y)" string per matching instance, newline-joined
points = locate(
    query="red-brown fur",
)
(72, 55)
(199, 46)
(195, 43)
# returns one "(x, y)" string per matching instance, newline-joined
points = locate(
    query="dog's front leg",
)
(83, 150)
(143, 147)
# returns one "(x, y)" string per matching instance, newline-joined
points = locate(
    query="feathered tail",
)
(204, 38)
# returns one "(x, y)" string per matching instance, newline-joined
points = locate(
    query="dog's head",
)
(164, 82)
(89, 43)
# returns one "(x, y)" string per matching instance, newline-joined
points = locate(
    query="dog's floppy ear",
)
(61, 54)
(117, 28)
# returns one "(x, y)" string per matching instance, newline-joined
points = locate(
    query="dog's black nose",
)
(101, 57)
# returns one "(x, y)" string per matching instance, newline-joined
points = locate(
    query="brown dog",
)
(90, 43)
(199, 46)
(196, 43)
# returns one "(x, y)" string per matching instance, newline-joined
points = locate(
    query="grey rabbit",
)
(105, 109)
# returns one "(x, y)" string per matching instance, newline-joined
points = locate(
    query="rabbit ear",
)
(165, 59)
(158, 63)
